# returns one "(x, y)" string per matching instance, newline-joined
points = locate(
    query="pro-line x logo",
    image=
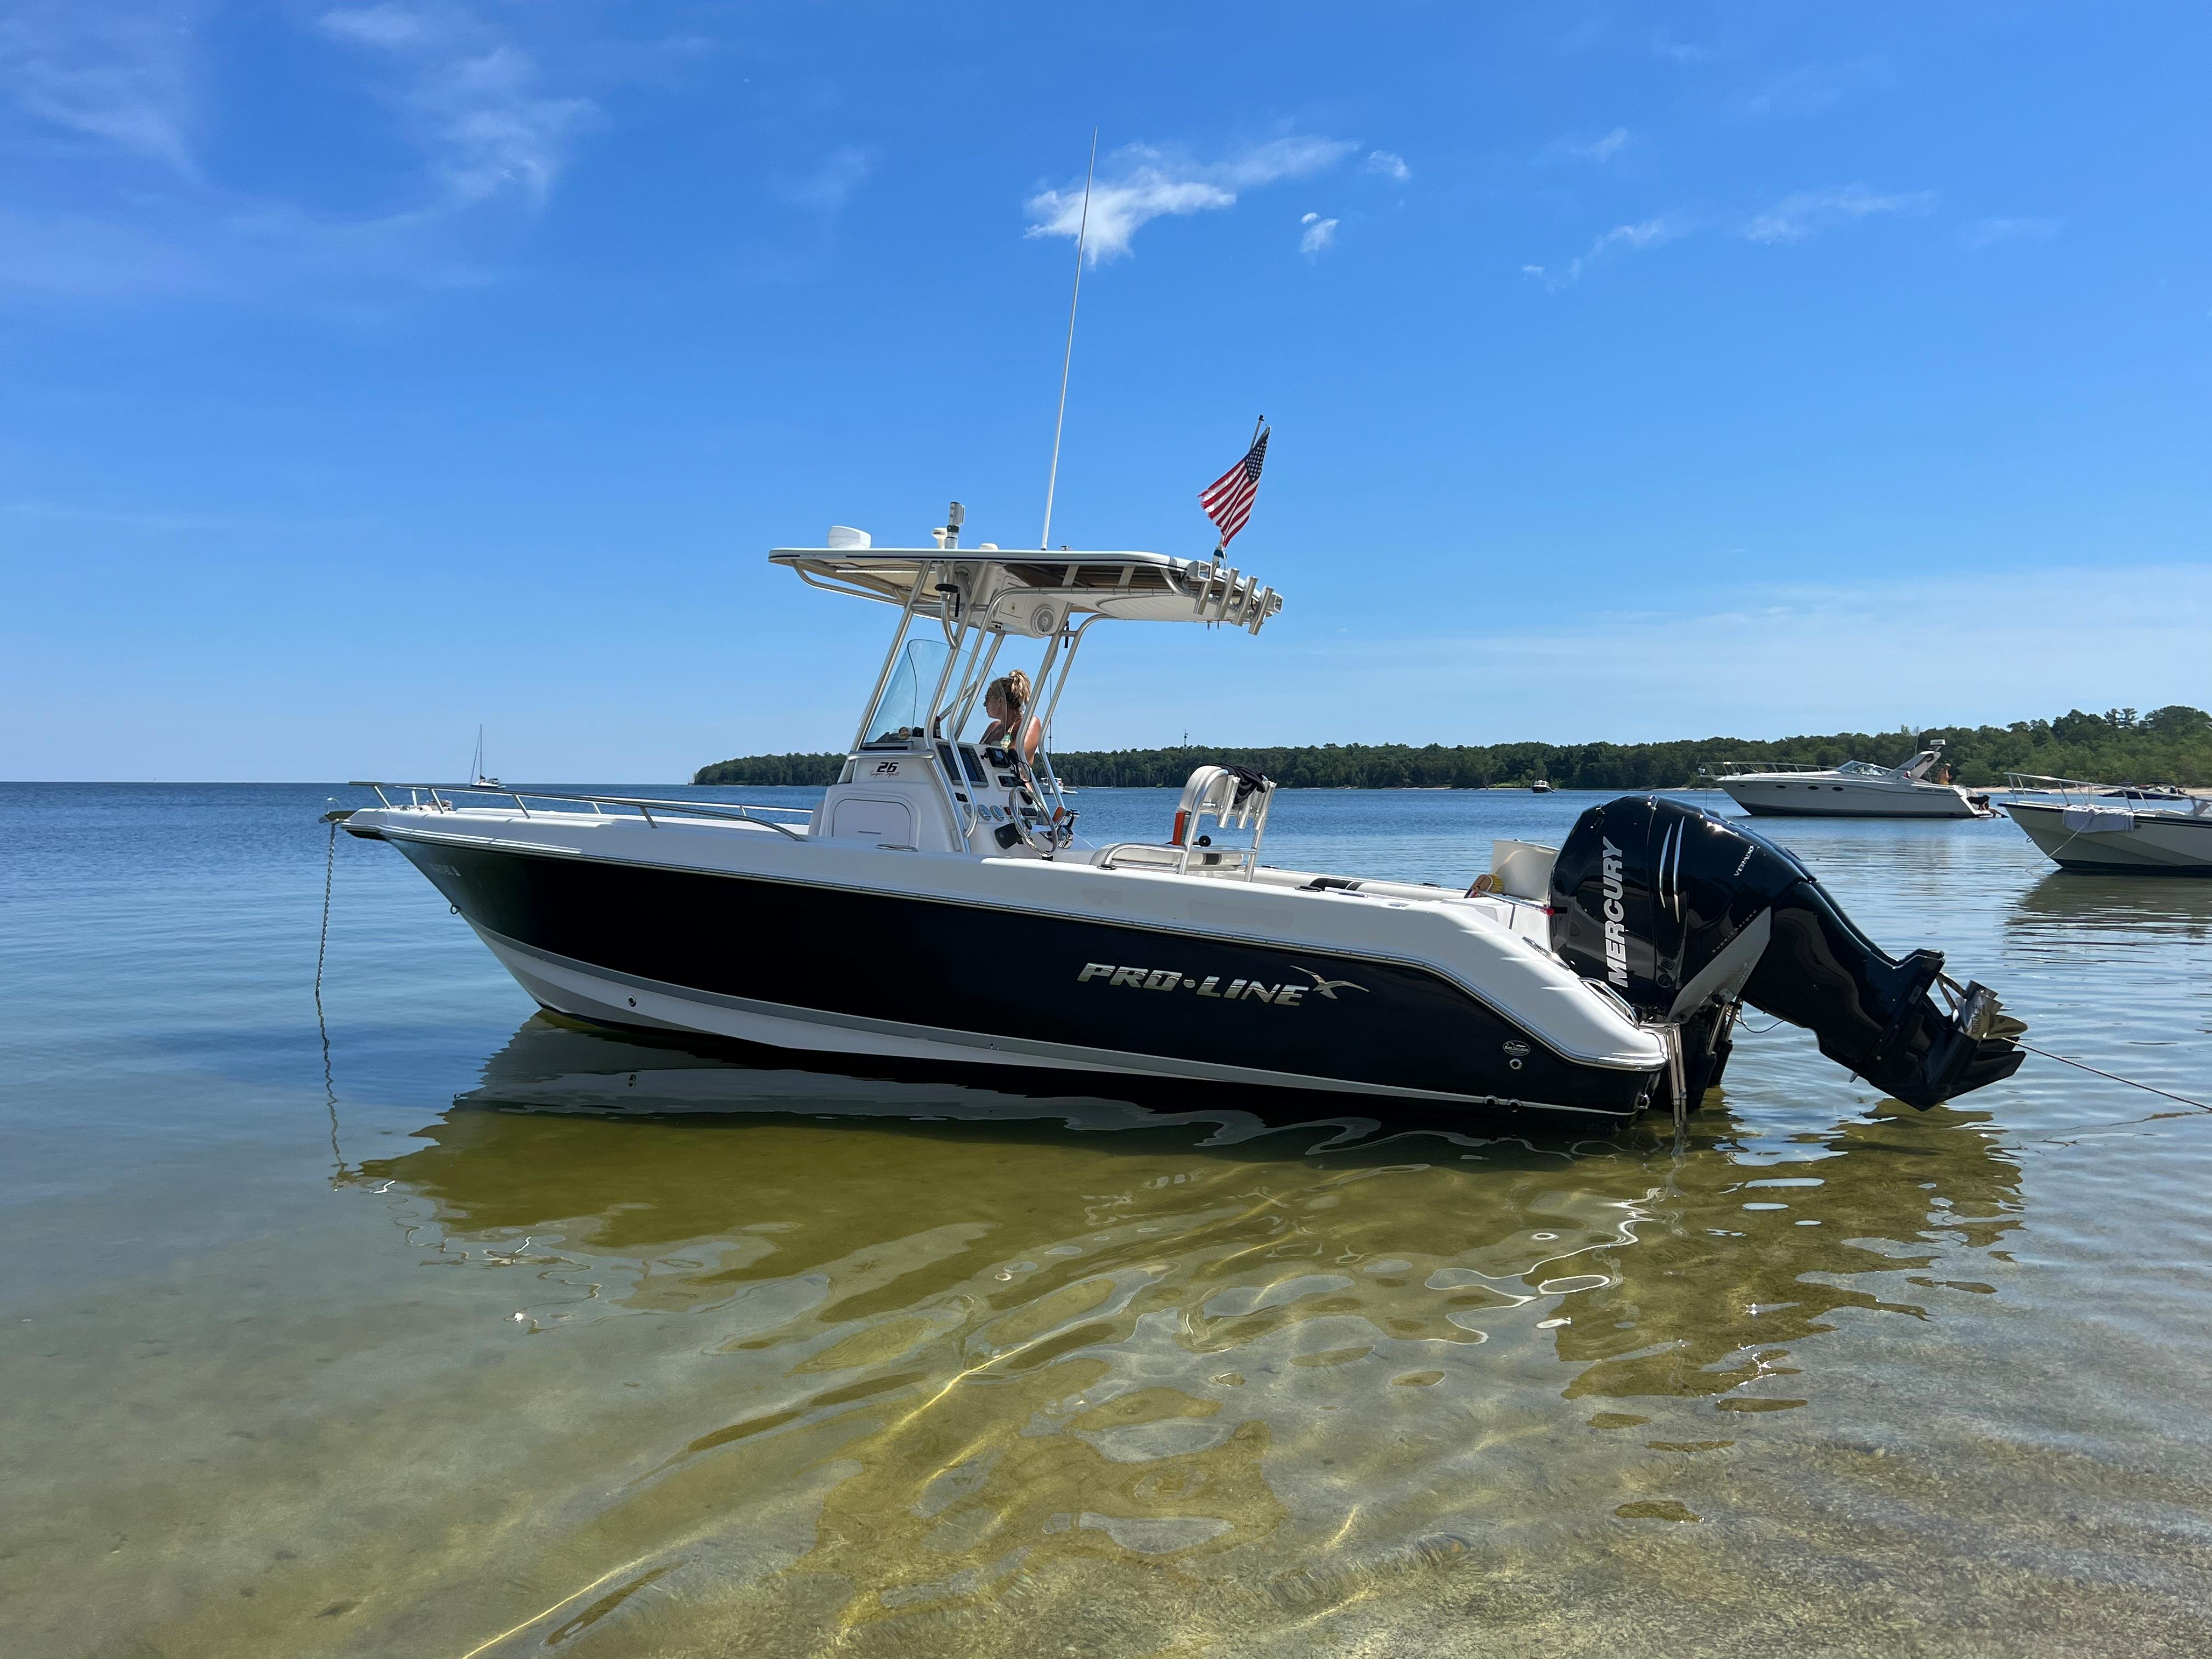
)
(1285, 995)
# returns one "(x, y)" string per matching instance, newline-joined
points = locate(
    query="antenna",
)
(1082, 233)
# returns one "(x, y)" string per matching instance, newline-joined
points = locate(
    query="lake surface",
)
(458, 1331)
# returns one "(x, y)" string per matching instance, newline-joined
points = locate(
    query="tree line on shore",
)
(2170, 744)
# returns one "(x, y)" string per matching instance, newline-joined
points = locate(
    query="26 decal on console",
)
(1285, 995)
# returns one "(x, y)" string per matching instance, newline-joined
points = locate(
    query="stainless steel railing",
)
(2039, 783)
(434, 797)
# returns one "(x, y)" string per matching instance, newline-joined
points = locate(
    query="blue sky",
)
(368, 372)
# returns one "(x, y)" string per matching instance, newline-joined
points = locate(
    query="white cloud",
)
(1320, 232)
(390, 26)
(77, 253)
(1988, 233)
(471, 96)
(1284, 158)
(831, 183)
(1798, 216)
(1814, 89)
(105, 69)
(1147, 184)
(1793, 219)
(1643, 233)
(1389, 166)
(1599, 149)
(118, 80)
(1647, 233)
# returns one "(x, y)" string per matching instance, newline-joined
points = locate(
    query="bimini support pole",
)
(1074, 637)
(890, 657)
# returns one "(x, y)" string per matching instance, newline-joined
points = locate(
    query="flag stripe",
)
(1229, 506)
(1225, 488)
(1228, 500)
(1237, 493)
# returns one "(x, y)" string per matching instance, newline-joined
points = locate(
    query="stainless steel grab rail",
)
(643, 805)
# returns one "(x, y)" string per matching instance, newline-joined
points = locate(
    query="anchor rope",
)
(2064, 1060)
(323, 945)
(322, 1024)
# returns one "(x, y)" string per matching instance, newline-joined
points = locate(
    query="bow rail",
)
(434, 797)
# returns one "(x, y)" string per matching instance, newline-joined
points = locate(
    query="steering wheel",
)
(1049, 836)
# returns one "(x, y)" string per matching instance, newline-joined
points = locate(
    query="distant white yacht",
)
(1857, 789)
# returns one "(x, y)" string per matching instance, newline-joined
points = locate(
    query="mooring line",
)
(2201, 1106)
(330, 869)
(322, 1024)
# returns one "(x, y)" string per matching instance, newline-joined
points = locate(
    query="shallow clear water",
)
(474, 1334)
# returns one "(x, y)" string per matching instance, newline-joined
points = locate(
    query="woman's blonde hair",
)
(1013, 691)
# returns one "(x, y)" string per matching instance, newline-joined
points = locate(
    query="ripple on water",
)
(1398, 1328)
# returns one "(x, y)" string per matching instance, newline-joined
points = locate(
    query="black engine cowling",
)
(1682, 913)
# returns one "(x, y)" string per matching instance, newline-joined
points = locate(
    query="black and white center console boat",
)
(939, 905)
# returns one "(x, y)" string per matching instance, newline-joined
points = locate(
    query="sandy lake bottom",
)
(478, 1334)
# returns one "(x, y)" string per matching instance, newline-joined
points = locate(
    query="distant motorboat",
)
(1542, 787)
(2156, 829)
(1857, 789)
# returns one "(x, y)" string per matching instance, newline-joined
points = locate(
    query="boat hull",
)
(1796, 799)
(828, 969)
(2160, 844)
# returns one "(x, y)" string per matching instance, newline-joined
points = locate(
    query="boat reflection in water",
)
(2155, 912)
(961, 1363)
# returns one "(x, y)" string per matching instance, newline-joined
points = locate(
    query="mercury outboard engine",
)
(1687, 916)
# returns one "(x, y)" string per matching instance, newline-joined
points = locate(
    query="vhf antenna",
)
(1082, 233)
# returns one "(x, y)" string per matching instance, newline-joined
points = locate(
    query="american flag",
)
(1227, 499)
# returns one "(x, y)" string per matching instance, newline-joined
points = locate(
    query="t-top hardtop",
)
(1037, 594)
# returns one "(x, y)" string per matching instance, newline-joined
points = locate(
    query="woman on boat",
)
(1007, 700)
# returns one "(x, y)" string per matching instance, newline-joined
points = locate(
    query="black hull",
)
(971, 974)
